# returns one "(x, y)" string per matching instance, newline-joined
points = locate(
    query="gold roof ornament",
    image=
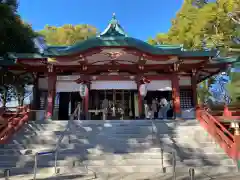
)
(51, 60)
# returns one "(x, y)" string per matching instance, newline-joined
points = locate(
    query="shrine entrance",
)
(120, 104)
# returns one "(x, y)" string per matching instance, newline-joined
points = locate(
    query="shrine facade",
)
(113, 66)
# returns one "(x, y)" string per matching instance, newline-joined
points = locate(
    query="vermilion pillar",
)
(176, 96)
(52, 79)
(194, 89)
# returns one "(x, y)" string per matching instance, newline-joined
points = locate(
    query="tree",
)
(200, 20)
(67, 34)
(15, 35)
(203, 24)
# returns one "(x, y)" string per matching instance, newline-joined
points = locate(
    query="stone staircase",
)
(136, 149)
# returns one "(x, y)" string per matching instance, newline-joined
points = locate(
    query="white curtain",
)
(113, 85)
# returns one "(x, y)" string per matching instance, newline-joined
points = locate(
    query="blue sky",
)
(139, 18)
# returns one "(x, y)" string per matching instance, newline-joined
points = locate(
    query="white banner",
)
(160, 85)
(64, 86)
(113, 85)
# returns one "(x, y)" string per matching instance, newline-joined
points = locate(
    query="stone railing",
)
(14, 121)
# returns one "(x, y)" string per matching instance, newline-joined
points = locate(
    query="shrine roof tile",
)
(231, 60)
(198, 53)
(26, 56)
(6, 61)
(119, 41)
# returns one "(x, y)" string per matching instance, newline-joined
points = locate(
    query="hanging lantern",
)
(83, 90)
(143, 89)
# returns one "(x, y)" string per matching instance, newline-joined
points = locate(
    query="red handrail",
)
(14, 123)
(217, 131)
(224, 129)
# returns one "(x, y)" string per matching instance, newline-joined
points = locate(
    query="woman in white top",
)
(164, 107)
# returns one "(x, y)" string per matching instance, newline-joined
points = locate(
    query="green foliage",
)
(233, 86)
(234, 91)
(207, 20)
(200, 19)
(203, 90)
(67, 34)
(15, 35)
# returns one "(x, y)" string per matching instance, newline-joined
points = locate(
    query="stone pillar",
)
(176, 96)
(52, 79)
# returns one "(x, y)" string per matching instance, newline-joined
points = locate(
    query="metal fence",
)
(56, 151)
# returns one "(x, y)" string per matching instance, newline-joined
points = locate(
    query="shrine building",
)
(114, 66)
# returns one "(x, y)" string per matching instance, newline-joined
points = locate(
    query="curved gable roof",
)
(115, 36)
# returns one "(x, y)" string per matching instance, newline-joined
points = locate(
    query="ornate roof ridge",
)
(113, 28)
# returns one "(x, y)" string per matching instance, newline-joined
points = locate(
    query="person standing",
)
(146, 110)
(164, 107)
(154, 108)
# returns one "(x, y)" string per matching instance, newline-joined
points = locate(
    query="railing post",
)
(35, 166)
(55, 162)
(6, 174)
(162, 161)
(192, 174)
(174, 164)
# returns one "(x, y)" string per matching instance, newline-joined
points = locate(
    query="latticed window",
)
(186, 98)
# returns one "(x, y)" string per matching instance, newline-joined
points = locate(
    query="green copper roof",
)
(113, 41)
(169, 46)
(230, 59)
(115, 36)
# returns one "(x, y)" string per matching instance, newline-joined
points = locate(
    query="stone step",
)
(94, 124)
(111, 160)
(121, 167)
(83, 142)
(121, 143)
(94, 154)
(119, 138)
(97, 149)
(75, 173)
